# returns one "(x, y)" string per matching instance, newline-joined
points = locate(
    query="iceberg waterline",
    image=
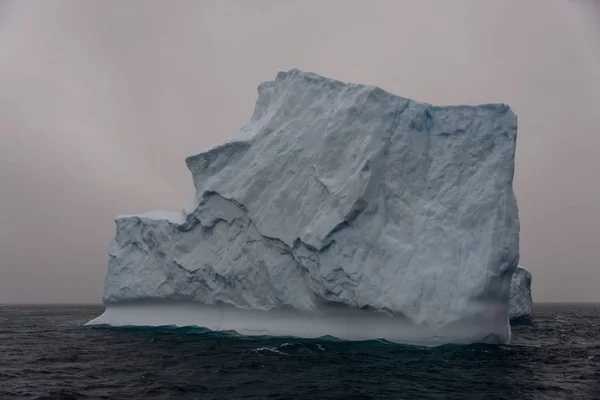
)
(347, 323)
(335, 204)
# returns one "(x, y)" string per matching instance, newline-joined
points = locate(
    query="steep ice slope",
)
(520, 294)
(338, 199)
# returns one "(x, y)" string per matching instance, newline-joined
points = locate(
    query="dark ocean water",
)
(47, 353)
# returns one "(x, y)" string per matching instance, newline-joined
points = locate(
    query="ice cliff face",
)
(334, 205)
(520, 294)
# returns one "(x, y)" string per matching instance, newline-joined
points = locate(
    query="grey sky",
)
(100, 102)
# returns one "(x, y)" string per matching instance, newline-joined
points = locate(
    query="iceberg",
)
(520, 294)
(338, 209)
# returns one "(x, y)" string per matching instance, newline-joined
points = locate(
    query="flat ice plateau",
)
(338, 209)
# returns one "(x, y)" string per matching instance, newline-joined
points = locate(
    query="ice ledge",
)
(341, 322)
(171, 216)
(174, 217)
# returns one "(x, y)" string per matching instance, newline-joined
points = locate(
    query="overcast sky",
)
(100, 102)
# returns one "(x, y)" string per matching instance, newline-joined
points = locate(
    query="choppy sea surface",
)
(46, 352)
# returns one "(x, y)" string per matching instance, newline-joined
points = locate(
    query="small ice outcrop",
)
(520, 294)
(339, 209)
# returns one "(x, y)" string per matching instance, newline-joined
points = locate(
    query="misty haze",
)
(299, 199)
(101, 104)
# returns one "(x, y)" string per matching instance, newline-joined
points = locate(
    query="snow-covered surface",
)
(175, 217)
(520, 294)
(338, 197)
(171, 216)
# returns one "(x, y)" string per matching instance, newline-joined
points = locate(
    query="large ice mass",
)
(339, 209)
(520, 294)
